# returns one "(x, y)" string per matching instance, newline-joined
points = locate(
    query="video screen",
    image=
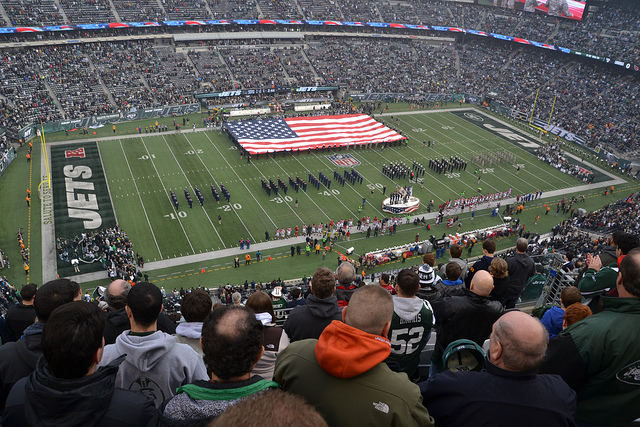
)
(570, 9)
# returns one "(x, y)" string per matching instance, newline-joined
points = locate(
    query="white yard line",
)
(139, 196)
(166, 193)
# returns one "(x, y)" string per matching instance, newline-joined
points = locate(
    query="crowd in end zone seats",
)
(112, 248)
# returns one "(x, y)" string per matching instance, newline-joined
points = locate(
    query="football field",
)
(141, 171)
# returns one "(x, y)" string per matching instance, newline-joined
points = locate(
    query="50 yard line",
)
(140, 198)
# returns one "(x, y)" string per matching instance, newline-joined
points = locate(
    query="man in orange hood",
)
(343, 373)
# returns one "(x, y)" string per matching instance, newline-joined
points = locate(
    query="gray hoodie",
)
(156, 365)
(190, 333)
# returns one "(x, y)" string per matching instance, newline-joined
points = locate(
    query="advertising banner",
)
(101, 120)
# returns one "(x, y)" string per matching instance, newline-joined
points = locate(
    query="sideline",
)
(285, 243)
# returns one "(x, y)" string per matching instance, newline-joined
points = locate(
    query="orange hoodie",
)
(345, 352)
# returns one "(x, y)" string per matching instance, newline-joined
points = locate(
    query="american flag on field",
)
(260, 136)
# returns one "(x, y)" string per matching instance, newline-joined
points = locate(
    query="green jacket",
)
(599, 357)
(377, 397)
(595, 283)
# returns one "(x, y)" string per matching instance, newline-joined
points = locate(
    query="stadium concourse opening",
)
(310, 133)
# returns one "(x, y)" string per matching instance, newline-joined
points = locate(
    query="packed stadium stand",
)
(592, 99)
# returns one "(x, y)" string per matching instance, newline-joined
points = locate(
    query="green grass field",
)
(141, 169)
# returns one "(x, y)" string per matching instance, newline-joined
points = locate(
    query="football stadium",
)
(476, 159)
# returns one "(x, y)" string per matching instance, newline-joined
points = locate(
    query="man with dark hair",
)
(21, 316)
(66, 388)
(553, 318)
(599, 356)
(453, 284)
(521, 267)
(488, 249)
(600, 279)
(456, 252)
(384, 283)
(309, 320)
(297, 299)
(232, 344)
(345, 275)
(117, 320)
(156, 364)
(509, 392)
(343, 373)
(410, 325)
(196, 307)
(19, 359)
(465, 317)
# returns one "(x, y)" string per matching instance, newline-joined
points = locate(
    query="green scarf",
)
(202, 393)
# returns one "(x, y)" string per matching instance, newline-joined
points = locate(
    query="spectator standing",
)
(488, 249)
(297, 298)
(232, 344)
(521, 267)
(66, 388)
(19, 359)
(470, 317)
(429, 279)
(195, 307)
(345, 275)
(598, 356)
(116, 295)
(275, 339)
(453, 284)
(509, 392)
(456, 252)
(553, 318)
(155, 364)
(411, 324)
(343, 373)
(21, 316)
(309, 320)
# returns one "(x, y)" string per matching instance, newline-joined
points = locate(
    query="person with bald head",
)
(343, 374)
(510, 391)
(117, 320)
(345, 276)
(468, 316)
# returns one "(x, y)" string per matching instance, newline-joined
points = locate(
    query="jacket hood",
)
(522, 259)
(80, 402)
(323, 308)
(147, 351)
(452, 282)
(191, 330)
(118, 318)
(408, 308)
(345, 352)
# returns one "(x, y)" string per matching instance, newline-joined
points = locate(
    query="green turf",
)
(140, 172)
(15, 214)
